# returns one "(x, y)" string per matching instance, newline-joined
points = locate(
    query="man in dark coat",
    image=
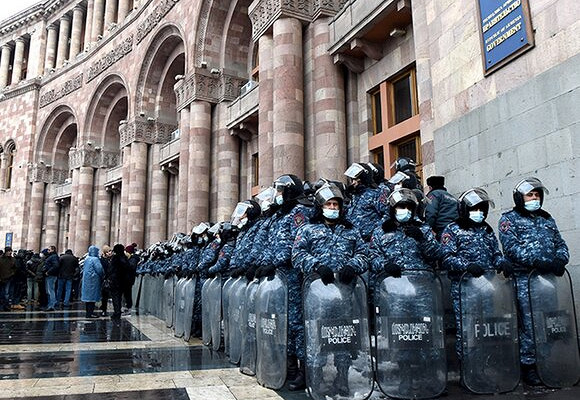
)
(7, 271)
(51, 270)
(442, 207)
(68, 265)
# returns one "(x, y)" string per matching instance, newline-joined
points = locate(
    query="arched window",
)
(9, 151)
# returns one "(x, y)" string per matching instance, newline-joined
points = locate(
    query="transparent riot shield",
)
(144, 295)
(189, 289)
(411, 362)
(338, 348)
(248, 325)
(225, 311)
(272, 331)
(180, 307)
(158, 310)
(237, 300)
(135, 292)
(555, 329)
(489, 331)
(215, 311)
(205, 313)
(168, 300)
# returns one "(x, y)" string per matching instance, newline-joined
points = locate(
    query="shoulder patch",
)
(384, 197)
(504, 226)
(299, 219)
(445, 238)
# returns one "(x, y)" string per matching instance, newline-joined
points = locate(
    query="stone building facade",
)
(128, 120)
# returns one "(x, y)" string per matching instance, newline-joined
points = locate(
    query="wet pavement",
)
(62, 355)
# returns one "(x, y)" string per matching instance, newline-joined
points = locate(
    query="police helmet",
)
(378, 172)
(403, 164)
(360, 171)
(525, 186)
(266, 198)
(474, 198)
(327, 192)
(249, 208)
(290, 186)
(403, 196)
(227, 231)
(200, 229)
(398, 178)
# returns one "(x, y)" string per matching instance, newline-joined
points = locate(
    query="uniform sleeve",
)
(359, 261)
(301, 257)
(512, 246)
(497, 256)
(452, 261)
(431, 209)
(377, 257)
(282, 255)
(223, 262)
(561, 249)
(430, 248)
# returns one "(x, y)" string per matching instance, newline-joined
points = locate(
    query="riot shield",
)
(272, 331)
(237, 299)
(489, 331)
(168, 300)
(189, 290)
(555, 329)
(158, 310)
(205, 313)
(180, 307)
(224, 311)
(411, 362)
(135, 292)
(215, 311)
(143, 297)
(336, 332)
(248, 325)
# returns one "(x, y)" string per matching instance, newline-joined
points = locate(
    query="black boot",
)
(341, 381)
(298, 383)
(530, 375)
(291, 368)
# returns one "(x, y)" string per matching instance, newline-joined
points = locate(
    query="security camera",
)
(179, 77)
(203, 64)
(215, 71)
(141, 113)
(150, 119)
(89, 143)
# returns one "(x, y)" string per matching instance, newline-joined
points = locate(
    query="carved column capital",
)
(203, 85)
(146, 130)
(263, 13)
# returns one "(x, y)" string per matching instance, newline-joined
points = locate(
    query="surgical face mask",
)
(243, 222)
(265, 205)
(476, 216)
(199, 240)
(403, 215)
(279, 199)
(532, 205)
(330, 214)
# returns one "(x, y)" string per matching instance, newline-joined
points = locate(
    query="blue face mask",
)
(279, 199)
(403, 215)
(330, 214)
(477, 216)
(532, 205)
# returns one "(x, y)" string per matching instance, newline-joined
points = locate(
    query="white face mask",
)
(532, 205)
(403, 215)
(243, 222)
(330, 214)
(279, 199)
(476, 216)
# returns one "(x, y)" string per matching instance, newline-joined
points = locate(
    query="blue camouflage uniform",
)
(527, 239)
(243, 255)
(278, 253)
(222, 265)
(366, 210)
(208, 256)
(462, 246)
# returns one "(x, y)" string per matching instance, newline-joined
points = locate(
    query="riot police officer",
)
(330, 244)
(245, 217)
(442, 207)
(531, 240)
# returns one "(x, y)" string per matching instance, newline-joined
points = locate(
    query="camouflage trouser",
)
(196, 318)
(295, 319)
(526, 332)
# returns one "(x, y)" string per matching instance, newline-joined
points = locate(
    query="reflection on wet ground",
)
(161, 394)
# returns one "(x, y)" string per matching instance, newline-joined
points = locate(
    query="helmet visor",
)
(239, 212)
(200, 229)
(474, 196)
(402, 196)
(398, 178)
(327, 192)
(354, 171)
(525, 186)
(215, 228)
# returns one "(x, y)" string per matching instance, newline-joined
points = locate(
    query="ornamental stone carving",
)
(154, 18)
(100, 66)
(145, 130)
(55, 94)
(205, 86)
(88, 156)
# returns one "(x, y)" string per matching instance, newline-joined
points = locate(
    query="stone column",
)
(52, 219)
(72, 223)
(35, 221)
(265, 112)
(18, 60)
(329, 107)
(228, 165)
(84, 195)
(5, 65)
(77, 31)
(36, 52)
(103, 214)
(98, 17)
(110, 11)
(50, 48)
(123, 10)
(63, 33)
(184, 185)
(159, 188)
(137, 194)
(125, 188)
(89, 23)
(199, 150)
(288, 87)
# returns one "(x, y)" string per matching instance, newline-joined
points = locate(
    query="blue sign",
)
(8, 241)
(505, 28)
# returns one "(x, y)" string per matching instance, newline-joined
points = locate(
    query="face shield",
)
(327, 192)
(402, 196)
(200, 229)
(474, 196)
(215, 228)
(397, 179)
(265, 198)
(354, 171)
(239, 212)
(525, 186)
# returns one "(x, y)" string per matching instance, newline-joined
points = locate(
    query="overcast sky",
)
(10, 7)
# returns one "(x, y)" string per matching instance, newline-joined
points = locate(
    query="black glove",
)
(266, 271)
(559, 267)
(393, 270)
(544, 266)
(211, 274)
(347, 274)
(237, 272)
(507, 268)
(415, 233)
(475, 270)
(251, 273)
(389, 225)
(326, 274)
